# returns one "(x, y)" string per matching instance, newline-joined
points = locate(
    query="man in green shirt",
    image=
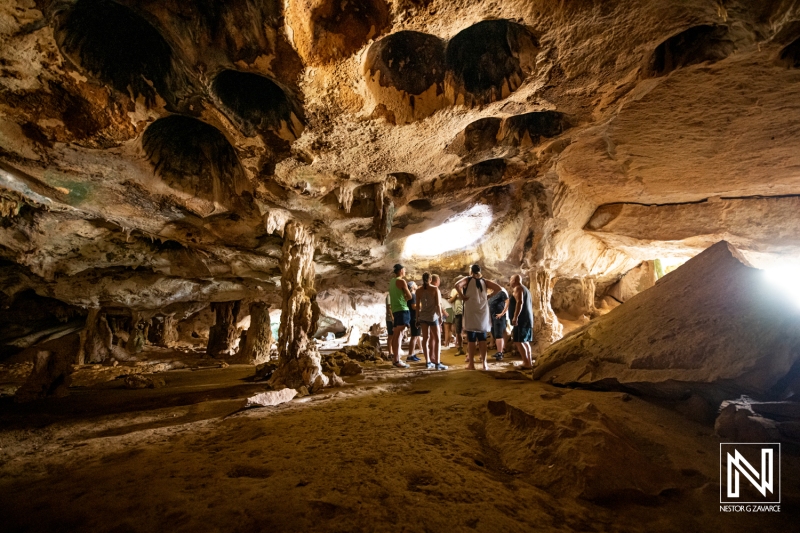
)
(399, 295)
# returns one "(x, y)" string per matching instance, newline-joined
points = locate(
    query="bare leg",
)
(425, 339)
(524, 352)
(500, 344)
(483, 347)
(435, 348)
(397, 336)
(471, 355)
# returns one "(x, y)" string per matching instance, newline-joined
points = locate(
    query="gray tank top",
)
(428, 308)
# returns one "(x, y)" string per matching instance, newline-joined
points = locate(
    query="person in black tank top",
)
(522, 320)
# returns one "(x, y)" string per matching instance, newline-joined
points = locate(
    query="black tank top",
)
(525, 318)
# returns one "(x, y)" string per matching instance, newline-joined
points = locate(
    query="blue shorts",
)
(474, 336)
(402, 318)
(389, 327)
(522, 334)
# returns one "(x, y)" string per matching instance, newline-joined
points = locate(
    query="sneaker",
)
(440, 366)
(400, 364)
(413, 358)
(431, 366)
(499, 356)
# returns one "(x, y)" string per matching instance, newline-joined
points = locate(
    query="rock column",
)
(547, 328)
(259, 337)
(585, 303)
(223, 334)
(163, 331)
(138, 335)
(299, 361)
(95, 339)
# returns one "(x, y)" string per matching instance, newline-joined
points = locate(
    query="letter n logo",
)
(750, 473)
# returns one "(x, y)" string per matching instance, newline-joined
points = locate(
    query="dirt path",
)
(450, 451)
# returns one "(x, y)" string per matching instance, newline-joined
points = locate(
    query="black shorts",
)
(416, 331)
(402, 318)
(522, 334)
(459, 322)
(475, 336)
(389, 327)
(498, 327)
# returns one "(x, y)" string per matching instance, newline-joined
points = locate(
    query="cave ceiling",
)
(152, 151)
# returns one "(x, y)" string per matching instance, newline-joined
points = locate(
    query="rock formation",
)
(299, 362)
(713, 327)
(258, 343)
(224, 333)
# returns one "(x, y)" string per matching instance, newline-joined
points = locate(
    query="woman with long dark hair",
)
(430, 317)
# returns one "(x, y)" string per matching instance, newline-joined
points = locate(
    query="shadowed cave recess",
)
(205, 207)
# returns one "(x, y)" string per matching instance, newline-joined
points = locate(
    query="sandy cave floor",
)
(392, 451)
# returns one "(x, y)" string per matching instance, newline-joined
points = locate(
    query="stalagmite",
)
(547, 329)
(299, 361)
(95, 339)
(163, 331)
(223, 334)
(259, 339)
(585, 303)
(138, 334)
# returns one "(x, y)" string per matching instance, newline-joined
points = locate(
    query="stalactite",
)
(299, 361)
(258, 341)
(223, 334)
(384, 212)
(345, 195)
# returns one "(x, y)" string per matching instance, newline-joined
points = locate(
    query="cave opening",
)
(490, 59)
(455, 233)
(194, 157)
(409, 61)
(258, 104)
(698, 44)
(119, 47)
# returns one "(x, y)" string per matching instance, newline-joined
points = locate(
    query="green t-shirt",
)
(397, 297)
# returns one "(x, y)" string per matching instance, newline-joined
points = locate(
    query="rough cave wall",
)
(151, 153)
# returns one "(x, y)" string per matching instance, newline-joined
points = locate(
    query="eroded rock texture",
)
(152, 152)
(299, 362)
(714, 327)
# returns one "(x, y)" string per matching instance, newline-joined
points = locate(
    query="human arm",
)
(518, 307)
(460, 284)
(505, 308)
(493, 286)
(403, 286)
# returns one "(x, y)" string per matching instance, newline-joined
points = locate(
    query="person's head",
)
(435, 280)
(399, 270)
(475, 270)
(426, 280)
(516, 280)
(412, 286)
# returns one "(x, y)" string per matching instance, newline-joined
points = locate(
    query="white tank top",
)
(476, 308)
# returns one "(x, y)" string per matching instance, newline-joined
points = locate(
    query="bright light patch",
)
(458, 231)
(786, 278)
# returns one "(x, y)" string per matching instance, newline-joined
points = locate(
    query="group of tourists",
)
(477, 306)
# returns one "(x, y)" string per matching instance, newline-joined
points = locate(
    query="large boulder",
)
(714, 327)
(52, 369)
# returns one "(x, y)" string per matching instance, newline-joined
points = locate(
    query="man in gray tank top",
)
(522, 320)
